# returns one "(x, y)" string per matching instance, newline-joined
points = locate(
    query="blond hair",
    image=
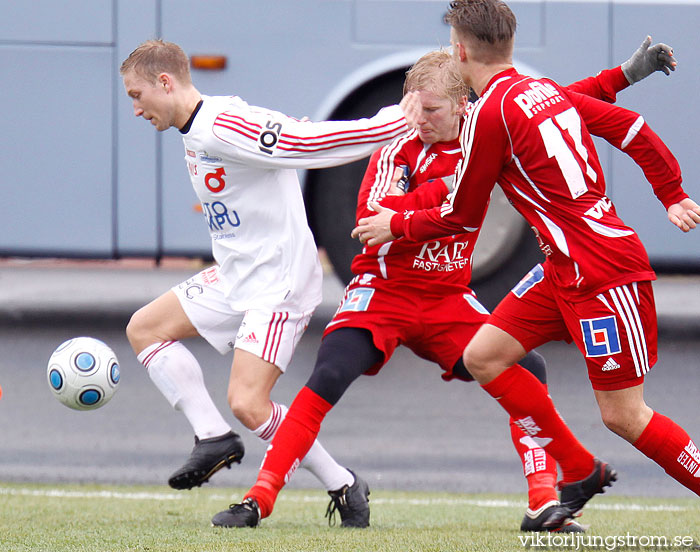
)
(154, 57)
(436, 71)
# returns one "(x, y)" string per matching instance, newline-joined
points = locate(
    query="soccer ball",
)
(83, 373)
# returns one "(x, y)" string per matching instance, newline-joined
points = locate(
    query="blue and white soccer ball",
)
(83, 373)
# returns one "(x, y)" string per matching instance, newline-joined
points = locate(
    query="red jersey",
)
(532, 137)
(448, 259)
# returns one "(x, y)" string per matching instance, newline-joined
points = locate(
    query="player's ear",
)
(463, 101)
(165, 81)
(461, 51)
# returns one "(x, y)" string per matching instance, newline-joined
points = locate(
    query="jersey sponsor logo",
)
(435, 255)
(205, 158)
(210, 276)
(214, 181)
(600, 336)
(602, 206)
(219, 216)
(689, 458)
(537, 96)
(610, 364)
(427, 162)
(532, 278)
(267, 140)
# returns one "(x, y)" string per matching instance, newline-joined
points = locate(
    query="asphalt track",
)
(402, 429)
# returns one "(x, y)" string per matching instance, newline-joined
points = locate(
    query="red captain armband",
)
(397, 223)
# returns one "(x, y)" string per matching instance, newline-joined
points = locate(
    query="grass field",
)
(62, 518)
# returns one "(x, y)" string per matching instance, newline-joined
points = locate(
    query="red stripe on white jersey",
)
(350, 134)
(358, 139)
(288, 142)
(227, 117)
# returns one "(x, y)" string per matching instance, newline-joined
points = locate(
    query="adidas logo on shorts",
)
(610, 364)
(250, 338)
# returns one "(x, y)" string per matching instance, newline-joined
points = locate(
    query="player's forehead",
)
(134, 82)
(431, 97)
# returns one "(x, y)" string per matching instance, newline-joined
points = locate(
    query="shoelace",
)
(245, 505)
(336, 502)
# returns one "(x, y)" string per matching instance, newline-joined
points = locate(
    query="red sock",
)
(540, 469)
(667, 444)
(290, 444)
(524, 397)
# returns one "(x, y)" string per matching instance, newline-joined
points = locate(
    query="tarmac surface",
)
(402, 429)
(55, 289)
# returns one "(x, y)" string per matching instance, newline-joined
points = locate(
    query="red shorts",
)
(436, 328)
(616, 330)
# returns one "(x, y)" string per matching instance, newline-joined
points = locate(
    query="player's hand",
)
(375, 230)
(685, 214)
(411, 106)
(646, 60)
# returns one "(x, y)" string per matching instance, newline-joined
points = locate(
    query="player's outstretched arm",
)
(685, 214)
(645, 61)
(648, 59)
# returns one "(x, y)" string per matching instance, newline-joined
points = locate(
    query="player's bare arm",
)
(685, 214)
(376, 229)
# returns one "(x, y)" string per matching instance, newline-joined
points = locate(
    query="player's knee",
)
(475, 362)
(626, 424)
(248, 409)
(614, 421)
(137, 331)
(329, 379)
(344, 355)
(534, 363)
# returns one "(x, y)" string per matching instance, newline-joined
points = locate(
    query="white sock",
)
(332, 475)
(177, 374)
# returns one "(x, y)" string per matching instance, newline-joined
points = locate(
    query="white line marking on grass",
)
(59, 493)
(482, 503)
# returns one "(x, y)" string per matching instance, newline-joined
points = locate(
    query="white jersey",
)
(242, 162)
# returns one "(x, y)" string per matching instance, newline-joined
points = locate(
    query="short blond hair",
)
(154, 57)
(436, 71)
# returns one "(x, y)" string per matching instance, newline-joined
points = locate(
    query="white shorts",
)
(269, 335)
